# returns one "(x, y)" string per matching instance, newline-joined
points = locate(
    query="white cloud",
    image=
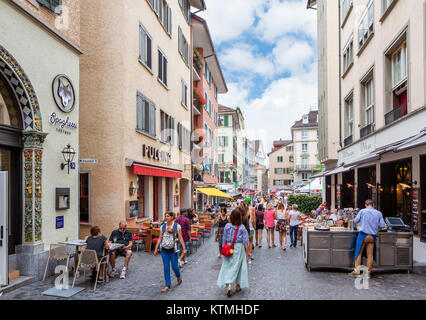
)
(242, 58)
(292, 55)
(228, 19)
(286, 17)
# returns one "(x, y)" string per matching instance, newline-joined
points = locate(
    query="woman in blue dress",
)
(234, 269)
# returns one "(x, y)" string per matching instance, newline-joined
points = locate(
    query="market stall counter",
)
(335, 249)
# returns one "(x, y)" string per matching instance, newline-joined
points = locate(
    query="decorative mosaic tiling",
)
(23, 88)
(37, 193)
(28, 216)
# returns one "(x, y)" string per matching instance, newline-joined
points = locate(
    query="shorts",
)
(260, 226)
(122, 252)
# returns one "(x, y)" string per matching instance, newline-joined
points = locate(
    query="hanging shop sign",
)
(155, 154)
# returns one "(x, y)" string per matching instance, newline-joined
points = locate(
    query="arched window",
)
(10, 114)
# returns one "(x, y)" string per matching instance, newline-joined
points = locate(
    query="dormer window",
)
(305, 120)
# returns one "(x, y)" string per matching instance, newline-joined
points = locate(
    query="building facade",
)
(208, 83)
(305, 148)
(281, 166)
(39, 117)
(230, 152)
(328, 80)
(383, 84)
(136, 111)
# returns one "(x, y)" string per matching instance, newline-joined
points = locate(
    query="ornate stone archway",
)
(33, 138)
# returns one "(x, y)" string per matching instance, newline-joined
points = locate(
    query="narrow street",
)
(273, 275)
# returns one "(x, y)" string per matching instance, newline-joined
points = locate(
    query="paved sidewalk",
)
(273, 275)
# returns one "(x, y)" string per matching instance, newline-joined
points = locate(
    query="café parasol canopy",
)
(213, 192)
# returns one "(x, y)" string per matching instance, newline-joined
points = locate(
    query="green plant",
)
(304, 202)
(198, 58)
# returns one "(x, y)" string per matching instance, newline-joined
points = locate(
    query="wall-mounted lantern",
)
(68, 154)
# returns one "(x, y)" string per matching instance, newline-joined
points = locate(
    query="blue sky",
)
(267, 50)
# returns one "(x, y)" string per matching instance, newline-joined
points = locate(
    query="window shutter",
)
(179, 129)
(165, 70)
(169, 20)
(226, 121)
(148, 52)
(180, 41)
(55, 4)
(188, 54)
(152, 119)
(172, 130)
(188, 15)
(139, 111)
(157, 7)
(160, 65)
(181, 3)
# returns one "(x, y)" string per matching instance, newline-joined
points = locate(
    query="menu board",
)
(415, 210)
(132, 209)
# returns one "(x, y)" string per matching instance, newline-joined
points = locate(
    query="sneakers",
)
(114, 273)
(123, 273)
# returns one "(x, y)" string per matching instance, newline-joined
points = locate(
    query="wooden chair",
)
(156, 232)
(58, 252)
(89, 259)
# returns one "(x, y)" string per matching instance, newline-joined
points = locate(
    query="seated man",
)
(335, 215)
(123, 236)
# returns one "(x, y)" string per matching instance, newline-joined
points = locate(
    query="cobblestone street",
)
(273, 275)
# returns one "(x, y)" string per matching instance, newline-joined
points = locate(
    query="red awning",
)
(156, 172)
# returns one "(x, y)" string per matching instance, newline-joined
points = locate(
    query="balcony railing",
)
(306, 168)
(395, 114)
(367, 130)
(349, 140)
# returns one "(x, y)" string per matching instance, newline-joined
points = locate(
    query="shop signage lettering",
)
(54, 120)
(155, 154)
(365, 147)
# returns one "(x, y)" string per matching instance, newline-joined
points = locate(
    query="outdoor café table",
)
(199, 226)
(141, 229)
(112, 247)
(77, 244)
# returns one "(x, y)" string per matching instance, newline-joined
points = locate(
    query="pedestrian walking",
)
(270, 216)
(260, 224)
(370, 221)
(282, 225)
(247, 222)
(221, 221)
(293, 218)
(170, 230)
(185, 225)
(234, 269)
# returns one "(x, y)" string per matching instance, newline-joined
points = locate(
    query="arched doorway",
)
(10, 159)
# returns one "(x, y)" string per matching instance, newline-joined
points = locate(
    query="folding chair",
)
(89, 259)
(58, 252)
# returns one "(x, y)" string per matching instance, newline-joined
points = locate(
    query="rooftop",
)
(312, 121)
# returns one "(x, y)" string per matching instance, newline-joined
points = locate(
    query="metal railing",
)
(349, 140)
(395, 114)
(367, 130)
(306, 168)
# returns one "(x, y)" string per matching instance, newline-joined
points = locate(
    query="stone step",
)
(17, 283)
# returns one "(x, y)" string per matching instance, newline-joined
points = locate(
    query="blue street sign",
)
(59, 222)
(72, 165)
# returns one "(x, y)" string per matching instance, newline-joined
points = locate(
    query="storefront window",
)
(141, 196)
(84, 197)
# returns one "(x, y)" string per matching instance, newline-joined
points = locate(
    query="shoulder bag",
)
(228, 249)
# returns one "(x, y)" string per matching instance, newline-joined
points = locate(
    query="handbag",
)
(228, 249)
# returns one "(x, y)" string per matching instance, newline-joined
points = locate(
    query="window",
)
(279, 171)
(223, 141)
(162, 67)
(184, 47)
(145, 115)
(289, 148)
(221, 121)
(85, 187)
(348, 56)
(53, 5)
(399, 65)
(216, 119)
(304, 147)
(141, 196)
(304, 134)
(167, 128)
(280, 159)
(304, 176)
(349, 117)
(221, 157)
(366, 25)
(184, 99)
(386, 4)
(304, 163)
(186, 9)
(215, 92)
(184, 138)
(305, 119)
(369, 102)
(291, 159)
(346, 6)
(165, 16)
(145, 47)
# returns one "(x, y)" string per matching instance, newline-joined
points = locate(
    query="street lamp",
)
(68, 154)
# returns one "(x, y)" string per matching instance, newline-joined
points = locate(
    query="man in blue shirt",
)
(370, 220)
